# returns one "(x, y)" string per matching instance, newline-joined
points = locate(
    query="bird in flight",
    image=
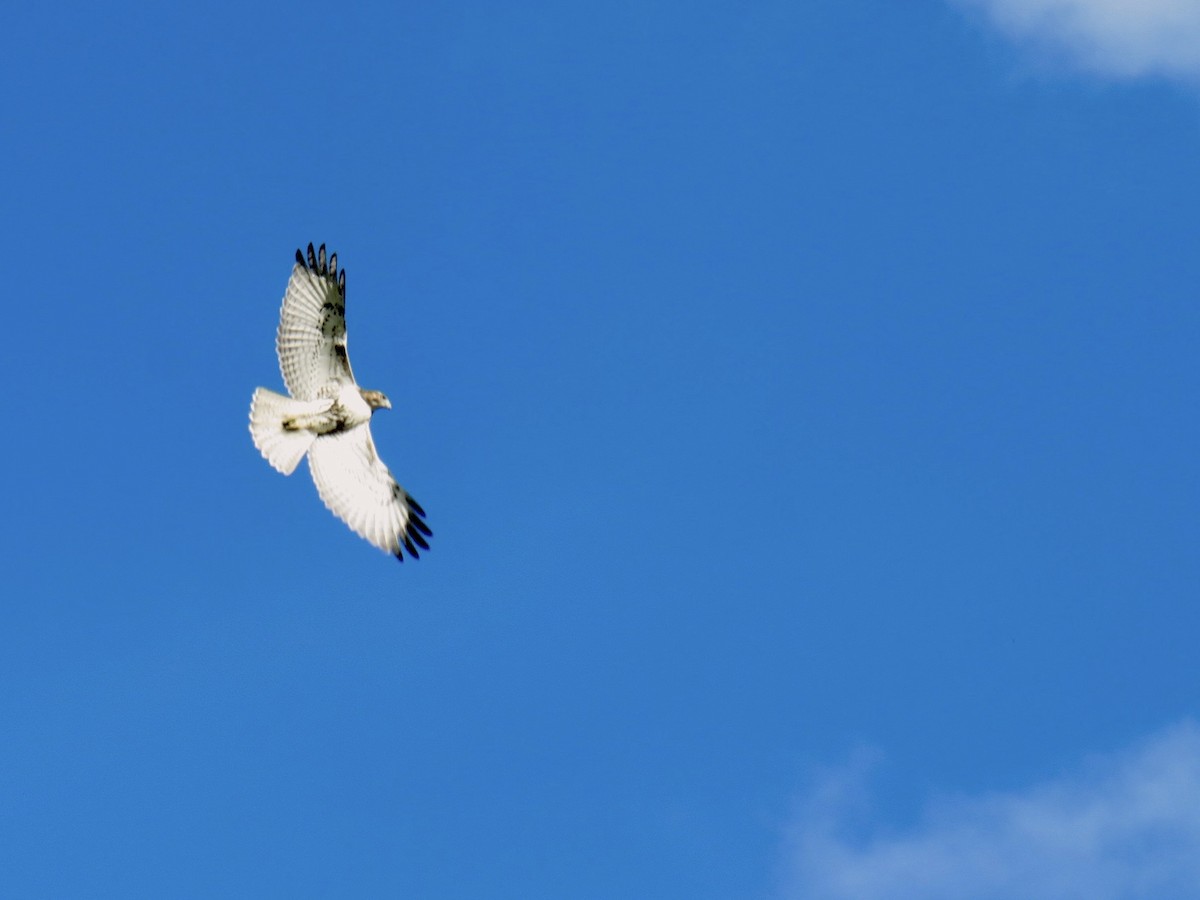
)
(328, 416)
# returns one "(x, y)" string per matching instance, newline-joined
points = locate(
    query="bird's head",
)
(376, 400)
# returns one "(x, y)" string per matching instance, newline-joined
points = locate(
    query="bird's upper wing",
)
(311, 340)
(358, 488)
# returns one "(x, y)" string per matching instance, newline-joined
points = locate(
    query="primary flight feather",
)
(328, 416)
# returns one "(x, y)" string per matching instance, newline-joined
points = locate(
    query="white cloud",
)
(1125, 825)
(1124, 38)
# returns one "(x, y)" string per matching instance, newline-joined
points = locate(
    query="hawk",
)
(328, 416)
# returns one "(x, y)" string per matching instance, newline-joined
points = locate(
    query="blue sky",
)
(801, 395)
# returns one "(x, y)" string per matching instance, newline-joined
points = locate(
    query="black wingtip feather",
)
(416, 507)
(318, 264)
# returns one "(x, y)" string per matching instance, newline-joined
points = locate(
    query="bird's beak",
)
(387, 404)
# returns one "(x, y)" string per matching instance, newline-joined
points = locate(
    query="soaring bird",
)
(328, 416)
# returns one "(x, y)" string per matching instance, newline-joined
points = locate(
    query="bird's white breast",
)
(352, 403)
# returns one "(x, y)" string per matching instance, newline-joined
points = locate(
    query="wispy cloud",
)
(1123, 38)
(1124, 825)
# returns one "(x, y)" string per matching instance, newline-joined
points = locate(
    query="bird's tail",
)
(273, 427)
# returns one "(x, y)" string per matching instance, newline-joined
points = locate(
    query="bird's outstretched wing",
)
(358, 488)
(311, 341)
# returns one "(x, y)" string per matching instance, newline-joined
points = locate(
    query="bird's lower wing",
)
(358, 488)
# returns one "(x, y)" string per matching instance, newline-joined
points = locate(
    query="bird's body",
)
(327, 417)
